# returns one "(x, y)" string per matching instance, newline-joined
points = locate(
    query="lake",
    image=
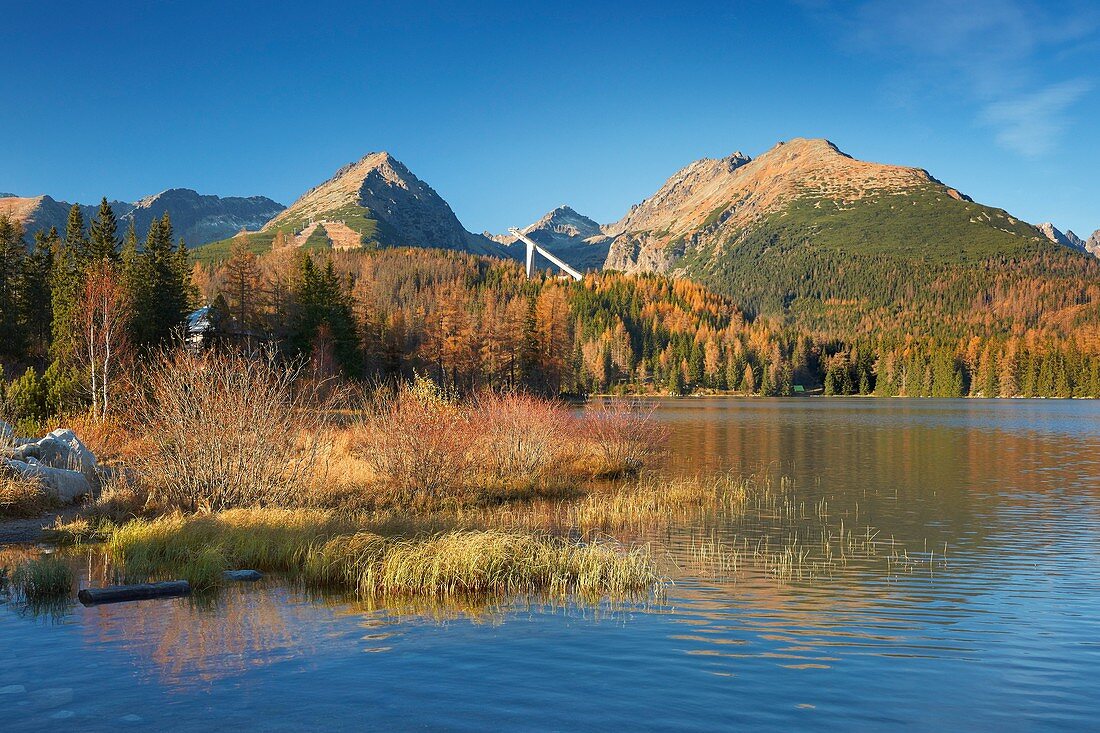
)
(915, 563)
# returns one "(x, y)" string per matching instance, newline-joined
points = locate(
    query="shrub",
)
(25, 401)
(417, 443)
(224, 430)
(623, 434)
(519, 438)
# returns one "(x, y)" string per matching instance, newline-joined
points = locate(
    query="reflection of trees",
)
(190, 640)
(918, 469)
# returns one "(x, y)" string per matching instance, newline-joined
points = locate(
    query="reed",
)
(336, 551)
(43, 579)
(657, 500)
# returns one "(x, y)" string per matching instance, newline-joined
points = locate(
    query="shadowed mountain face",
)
(197, 218)
(381, 201)
(200, 219)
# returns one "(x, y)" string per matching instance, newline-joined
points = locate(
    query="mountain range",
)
(197, 218)
(797, 206)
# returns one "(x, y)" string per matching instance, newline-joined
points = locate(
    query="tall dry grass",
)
(22, 497)
(336, 551)
(228, 430)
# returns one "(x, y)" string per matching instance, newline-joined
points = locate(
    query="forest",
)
(80, 310)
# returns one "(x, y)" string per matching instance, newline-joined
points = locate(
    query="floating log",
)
(138, 592)
(248, 575)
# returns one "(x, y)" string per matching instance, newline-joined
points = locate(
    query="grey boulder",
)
(60, 449)
(60, 483)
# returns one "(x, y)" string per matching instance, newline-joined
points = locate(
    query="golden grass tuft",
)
(493, 562)
(260, 539)
(656, 500)
(334, 551)
(22, 497)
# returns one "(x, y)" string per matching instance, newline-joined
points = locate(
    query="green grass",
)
(372, 234)
(43, 579)
(218, 252)
(318, 239)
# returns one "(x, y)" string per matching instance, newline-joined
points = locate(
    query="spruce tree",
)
(76, 239)
(103, 238)
(66, 281)
(160, 285)
(37, 298)
(325, 308)
(13, 253)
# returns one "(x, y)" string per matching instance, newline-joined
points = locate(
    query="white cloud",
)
(992, 54)
(1032, 123)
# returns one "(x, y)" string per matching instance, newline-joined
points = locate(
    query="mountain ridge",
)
(197, 218)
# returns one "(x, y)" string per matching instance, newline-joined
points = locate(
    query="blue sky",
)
(509, 109)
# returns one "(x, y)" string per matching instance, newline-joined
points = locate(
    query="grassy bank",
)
(339, 552)
(233, 461)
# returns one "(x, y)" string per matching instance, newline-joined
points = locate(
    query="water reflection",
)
(989, 623)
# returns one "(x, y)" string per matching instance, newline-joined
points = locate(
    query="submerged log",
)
(242, 575)
(138, 592)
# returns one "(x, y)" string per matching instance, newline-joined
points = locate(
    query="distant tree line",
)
(78, 311)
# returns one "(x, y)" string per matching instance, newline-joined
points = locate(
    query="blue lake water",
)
(963, 593)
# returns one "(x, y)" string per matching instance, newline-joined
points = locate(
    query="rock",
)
(1093, 243)
(1066, 239)
(60, 449)
(242, 575)
(60, 483)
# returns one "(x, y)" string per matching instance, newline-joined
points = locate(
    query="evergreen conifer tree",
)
(103, 237)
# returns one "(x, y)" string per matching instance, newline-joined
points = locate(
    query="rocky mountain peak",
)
(1055, 235)
(735, 191)
(565, 220)
(1093, 243)
(378, 188)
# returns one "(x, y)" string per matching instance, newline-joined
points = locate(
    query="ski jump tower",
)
(532, 248)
